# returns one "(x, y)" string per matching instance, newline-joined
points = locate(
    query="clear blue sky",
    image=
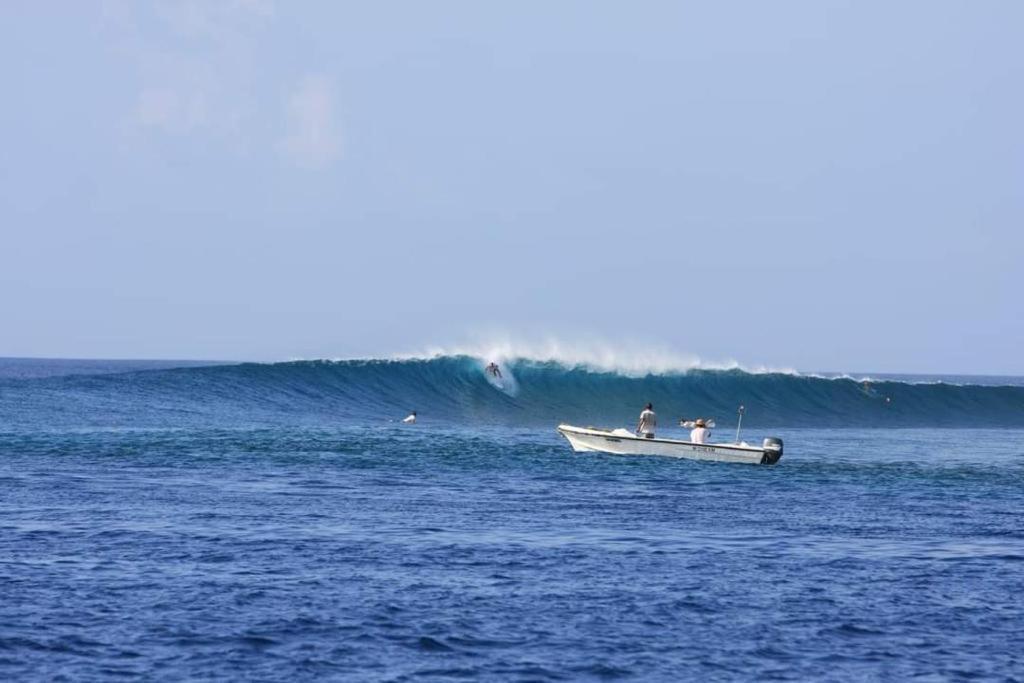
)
(819, 185)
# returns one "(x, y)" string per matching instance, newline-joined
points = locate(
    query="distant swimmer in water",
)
(494, 370)
(648, 421)
(411, 418)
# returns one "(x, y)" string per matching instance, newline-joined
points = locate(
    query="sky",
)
(818, 185)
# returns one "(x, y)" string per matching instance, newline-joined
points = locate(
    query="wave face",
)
(456, 389)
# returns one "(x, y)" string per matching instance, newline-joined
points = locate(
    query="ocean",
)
(170, 521)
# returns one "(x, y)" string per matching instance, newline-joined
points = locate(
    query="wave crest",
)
(629, 360)
(456, 389)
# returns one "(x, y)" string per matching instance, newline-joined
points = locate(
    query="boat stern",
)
(772, 447)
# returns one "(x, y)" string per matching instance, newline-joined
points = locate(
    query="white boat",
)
(622, 442)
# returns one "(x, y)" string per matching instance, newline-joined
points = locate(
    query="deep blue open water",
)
(271, 523)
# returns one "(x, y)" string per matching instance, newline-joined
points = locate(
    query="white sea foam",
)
(633, 360)
(637, 361)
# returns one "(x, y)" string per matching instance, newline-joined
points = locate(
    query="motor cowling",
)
(772, 450)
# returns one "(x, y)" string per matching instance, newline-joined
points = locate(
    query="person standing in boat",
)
(648, 421)
(700, 432)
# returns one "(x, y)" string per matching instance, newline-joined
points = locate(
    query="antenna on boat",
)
(739, 423)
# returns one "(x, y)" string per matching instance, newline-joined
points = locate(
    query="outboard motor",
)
(772, 450)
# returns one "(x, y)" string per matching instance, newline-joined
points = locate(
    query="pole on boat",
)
(739, 423)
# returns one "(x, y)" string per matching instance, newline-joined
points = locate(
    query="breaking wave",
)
(455, 388)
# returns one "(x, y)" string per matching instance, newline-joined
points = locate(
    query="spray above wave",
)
(455, 389)
(631, 360)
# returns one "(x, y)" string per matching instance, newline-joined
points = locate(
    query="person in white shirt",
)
(648, 421)
(411, 418)
(700, 433)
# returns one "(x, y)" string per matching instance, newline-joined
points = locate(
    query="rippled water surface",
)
(440, 552)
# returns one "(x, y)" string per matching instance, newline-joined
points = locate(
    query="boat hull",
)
(587, 439)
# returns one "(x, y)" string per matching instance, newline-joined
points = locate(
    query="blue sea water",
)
(276, 522)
